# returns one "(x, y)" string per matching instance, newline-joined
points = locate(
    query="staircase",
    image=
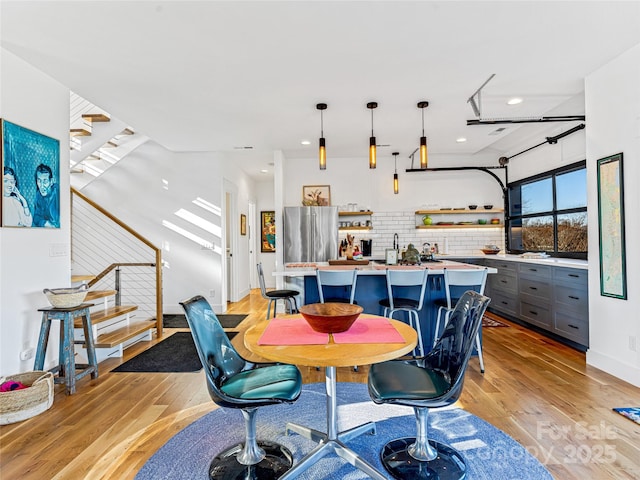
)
(97, 141)
(115, 327)
(126, 289)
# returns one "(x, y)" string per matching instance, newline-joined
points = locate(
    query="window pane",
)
(537, 196)
(572, 232)
(515, 201)
(515, 235)
(537, 234)
(571, 189)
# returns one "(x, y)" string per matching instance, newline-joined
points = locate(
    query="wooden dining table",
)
(371, 339)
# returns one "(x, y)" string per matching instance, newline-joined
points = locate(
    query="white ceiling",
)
(218, 75)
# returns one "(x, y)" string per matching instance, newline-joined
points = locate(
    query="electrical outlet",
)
(632, 343)
(27, 354)
(212, 293)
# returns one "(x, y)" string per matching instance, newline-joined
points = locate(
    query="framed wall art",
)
(316, 195)
(243, 224)
(268, 225)
(613, 270)
(31, 178)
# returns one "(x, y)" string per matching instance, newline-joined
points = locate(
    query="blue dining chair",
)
(233, 382)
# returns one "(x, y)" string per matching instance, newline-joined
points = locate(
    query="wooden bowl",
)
(490, 251)
(330, 317)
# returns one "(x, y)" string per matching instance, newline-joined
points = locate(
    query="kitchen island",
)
(371, 287)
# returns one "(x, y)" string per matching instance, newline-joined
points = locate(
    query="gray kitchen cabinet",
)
(502, 287)
(534, 291)
(552, 298)
(571, 304)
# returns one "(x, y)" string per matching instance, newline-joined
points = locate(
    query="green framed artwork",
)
(613, 270)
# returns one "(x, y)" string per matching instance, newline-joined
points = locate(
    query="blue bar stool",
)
(67, 367)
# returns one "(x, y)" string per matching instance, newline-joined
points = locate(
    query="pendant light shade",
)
(372, 139)
(322, 152)
(423, 139)
(396, 187)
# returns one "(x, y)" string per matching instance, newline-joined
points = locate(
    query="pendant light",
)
(322, 152)
(372, 139)
(423, 139)
(395, 172)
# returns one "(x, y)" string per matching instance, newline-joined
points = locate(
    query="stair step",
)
(121, 335)
(79, 132)
(96, 117)
(127, 131)
(110, 144)
(96, 294)
(106, 314)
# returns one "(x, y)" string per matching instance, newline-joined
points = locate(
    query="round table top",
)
(332, 354)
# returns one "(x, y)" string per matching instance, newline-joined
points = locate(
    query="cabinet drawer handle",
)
(533, 269)
(533, 288)
(503, 281)
(573, 297)
(504, 303)
(574, 275)
(573, 326)
(532, 312)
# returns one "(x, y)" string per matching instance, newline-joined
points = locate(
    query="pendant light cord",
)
(372, 122)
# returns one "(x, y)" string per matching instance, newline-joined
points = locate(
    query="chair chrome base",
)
(448, 465)
(225, 466)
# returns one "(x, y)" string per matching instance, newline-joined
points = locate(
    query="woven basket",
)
(19, 405)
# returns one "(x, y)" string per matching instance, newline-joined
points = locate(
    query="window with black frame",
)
(548, 213)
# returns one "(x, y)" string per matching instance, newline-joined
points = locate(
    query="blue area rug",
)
(490, 453)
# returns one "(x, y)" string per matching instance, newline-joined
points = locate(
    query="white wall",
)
(351, 181)
(35, 101)
(266, 202)
(149, 187)
(613, 112)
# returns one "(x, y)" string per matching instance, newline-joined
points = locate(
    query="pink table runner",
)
(369, 329)
(287, 331)
(366, 329)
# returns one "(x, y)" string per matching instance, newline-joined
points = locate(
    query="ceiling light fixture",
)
(395, 172)
(423, 140)
(372, 138)
(305, 142)
(514, 101)
(461, 139)
(322, 152)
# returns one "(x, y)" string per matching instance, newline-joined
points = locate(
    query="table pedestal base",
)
(332, 441)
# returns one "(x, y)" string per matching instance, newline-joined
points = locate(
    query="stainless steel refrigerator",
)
(310, 234)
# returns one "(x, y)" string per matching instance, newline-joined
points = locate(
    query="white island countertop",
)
(552, 261)
(374, 268)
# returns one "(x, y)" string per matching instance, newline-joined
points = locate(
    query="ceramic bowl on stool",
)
(330, 317)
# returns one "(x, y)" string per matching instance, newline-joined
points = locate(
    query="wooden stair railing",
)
(157, 251)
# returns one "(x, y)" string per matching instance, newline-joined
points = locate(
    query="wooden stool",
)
(67, 366)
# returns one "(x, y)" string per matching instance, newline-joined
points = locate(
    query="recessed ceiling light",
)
(461, 140)
(264, 170)
(514, 101)
(305, 142)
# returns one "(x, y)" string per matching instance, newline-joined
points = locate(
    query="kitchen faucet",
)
(396, 241)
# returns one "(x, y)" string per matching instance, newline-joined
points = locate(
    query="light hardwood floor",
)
(534, 389)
